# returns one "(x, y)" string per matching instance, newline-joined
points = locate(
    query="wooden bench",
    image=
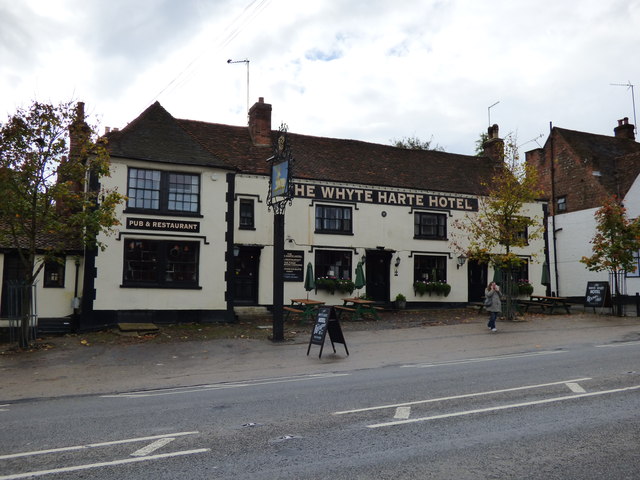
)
(342, 309)
(543, 305)
(291, 310)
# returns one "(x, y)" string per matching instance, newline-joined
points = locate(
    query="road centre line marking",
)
(484, 359)
(622, 344)
(575, 388)
(456, 397)
(101, 464)
(152, 447)
(205, 388)
(503, 407)
(94, 445)
(402, 412)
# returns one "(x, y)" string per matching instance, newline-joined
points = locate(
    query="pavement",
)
(105, 369)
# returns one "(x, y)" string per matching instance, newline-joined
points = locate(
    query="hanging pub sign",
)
(280, 179)
(293, 269)
(326, 322)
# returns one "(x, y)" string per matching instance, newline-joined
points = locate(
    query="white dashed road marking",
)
(402, 413)
(504, 407)
(140, 455)
(575, 388)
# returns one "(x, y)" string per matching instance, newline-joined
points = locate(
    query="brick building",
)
(577, 171)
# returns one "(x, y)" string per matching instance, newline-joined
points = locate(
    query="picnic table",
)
(358, 307)
(546, 303)
(303, 306)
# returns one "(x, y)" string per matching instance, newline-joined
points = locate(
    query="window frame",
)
(344, 224)
(440, 227)
(165, 191)
(51, 268)
(636, 273)
(163, 260)
(329, 259)
(561, 204)
(250, 224)
(420, 272)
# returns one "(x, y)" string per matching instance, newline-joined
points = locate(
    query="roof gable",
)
(156, 136)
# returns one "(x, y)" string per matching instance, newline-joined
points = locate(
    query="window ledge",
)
(164, 287)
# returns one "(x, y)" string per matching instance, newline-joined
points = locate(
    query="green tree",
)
(492, 235)
(414, 143)
(614, 243)
(49, 156)
(484, 136)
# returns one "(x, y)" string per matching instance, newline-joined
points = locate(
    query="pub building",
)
(196, 236)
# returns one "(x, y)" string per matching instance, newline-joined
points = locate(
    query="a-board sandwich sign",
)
(598, 294)
(326, 322)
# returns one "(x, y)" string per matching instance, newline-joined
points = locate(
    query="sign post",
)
(280, 194)
(327, 322)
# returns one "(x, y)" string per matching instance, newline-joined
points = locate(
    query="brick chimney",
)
(624, 129)
(494, 146)
(260, 123)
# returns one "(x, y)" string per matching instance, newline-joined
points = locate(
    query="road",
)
(565, 413)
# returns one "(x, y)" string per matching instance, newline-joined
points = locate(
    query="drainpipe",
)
(553, 218)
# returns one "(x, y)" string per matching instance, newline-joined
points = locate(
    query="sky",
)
(370, 70)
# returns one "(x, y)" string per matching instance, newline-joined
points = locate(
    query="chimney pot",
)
(260, 123)
(624, 129)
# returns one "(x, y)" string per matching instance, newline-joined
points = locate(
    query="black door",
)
(14, 270)
(378, 269)
(477, 280)
(247, 267)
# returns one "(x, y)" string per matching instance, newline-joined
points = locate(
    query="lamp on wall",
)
(461, 259)
(397, 264)
(236, 250)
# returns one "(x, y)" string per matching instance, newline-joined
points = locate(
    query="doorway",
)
(477, 281)
(378, 269)
(14, 271)
(245, 275)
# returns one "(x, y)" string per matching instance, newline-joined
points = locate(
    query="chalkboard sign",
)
(293, 268)
(326, 322)
(598, 295)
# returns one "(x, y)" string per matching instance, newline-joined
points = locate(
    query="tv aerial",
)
(630, 86)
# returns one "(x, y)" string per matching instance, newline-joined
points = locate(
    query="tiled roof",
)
(155, 135)
(44, 241)
(616, 159)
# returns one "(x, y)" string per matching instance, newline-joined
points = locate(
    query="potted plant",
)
(401, 301)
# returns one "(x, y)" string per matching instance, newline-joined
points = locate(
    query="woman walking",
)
(493, 293)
